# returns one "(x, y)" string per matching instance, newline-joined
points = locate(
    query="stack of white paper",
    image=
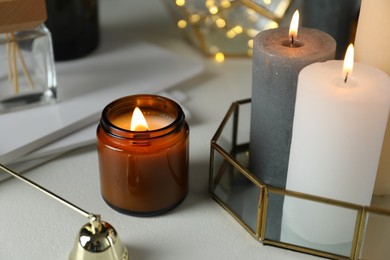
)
(86, 86)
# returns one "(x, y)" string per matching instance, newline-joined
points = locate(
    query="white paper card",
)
(86, 86)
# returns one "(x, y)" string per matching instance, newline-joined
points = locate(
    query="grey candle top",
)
(311, 44)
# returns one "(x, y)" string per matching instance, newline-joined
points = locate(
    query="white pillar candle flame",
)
(348, 62)
(293, 32)
(138, 121)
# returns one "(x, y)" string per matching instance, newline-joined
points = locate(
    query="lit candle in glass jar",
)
(144, 167)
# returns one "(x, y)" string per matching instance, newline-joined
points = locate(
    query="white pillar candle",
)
(337, 137)
(372, 47)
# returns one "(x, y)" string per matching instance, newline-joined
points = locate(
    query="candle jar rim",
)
(150, 103)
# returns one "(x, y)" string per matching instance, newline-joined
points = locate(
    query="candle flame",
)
(138, 121)
(293, 32)
(348, 62)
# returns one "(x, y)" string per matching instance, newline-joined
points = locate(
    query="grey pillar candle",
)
(276, 65)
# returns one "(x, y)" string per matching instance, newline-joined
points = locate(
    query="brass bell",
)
(98, 240)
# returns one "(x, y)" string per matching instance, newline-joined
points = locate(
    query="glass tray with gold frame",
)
(248, 200)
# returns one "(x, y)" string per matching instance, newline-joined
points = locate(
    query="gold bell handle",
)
(95, 236)
(47, 192)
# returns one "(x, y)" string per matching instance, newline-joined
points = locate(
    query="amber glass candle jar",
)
(143, 173)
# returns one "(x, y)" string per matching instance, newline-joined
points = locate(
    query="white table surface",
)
(34, 226)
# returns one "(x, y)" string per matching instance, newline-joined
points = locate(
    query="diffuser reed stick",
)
(13, 55)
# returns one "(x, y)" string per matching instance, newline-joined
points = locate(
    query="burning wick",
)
(348, 62)
(293, 32)
(346, 78)
(138, 121)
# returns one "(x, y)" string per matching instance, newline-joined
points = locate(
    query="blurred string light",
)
(219, 57)
(223, 28)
